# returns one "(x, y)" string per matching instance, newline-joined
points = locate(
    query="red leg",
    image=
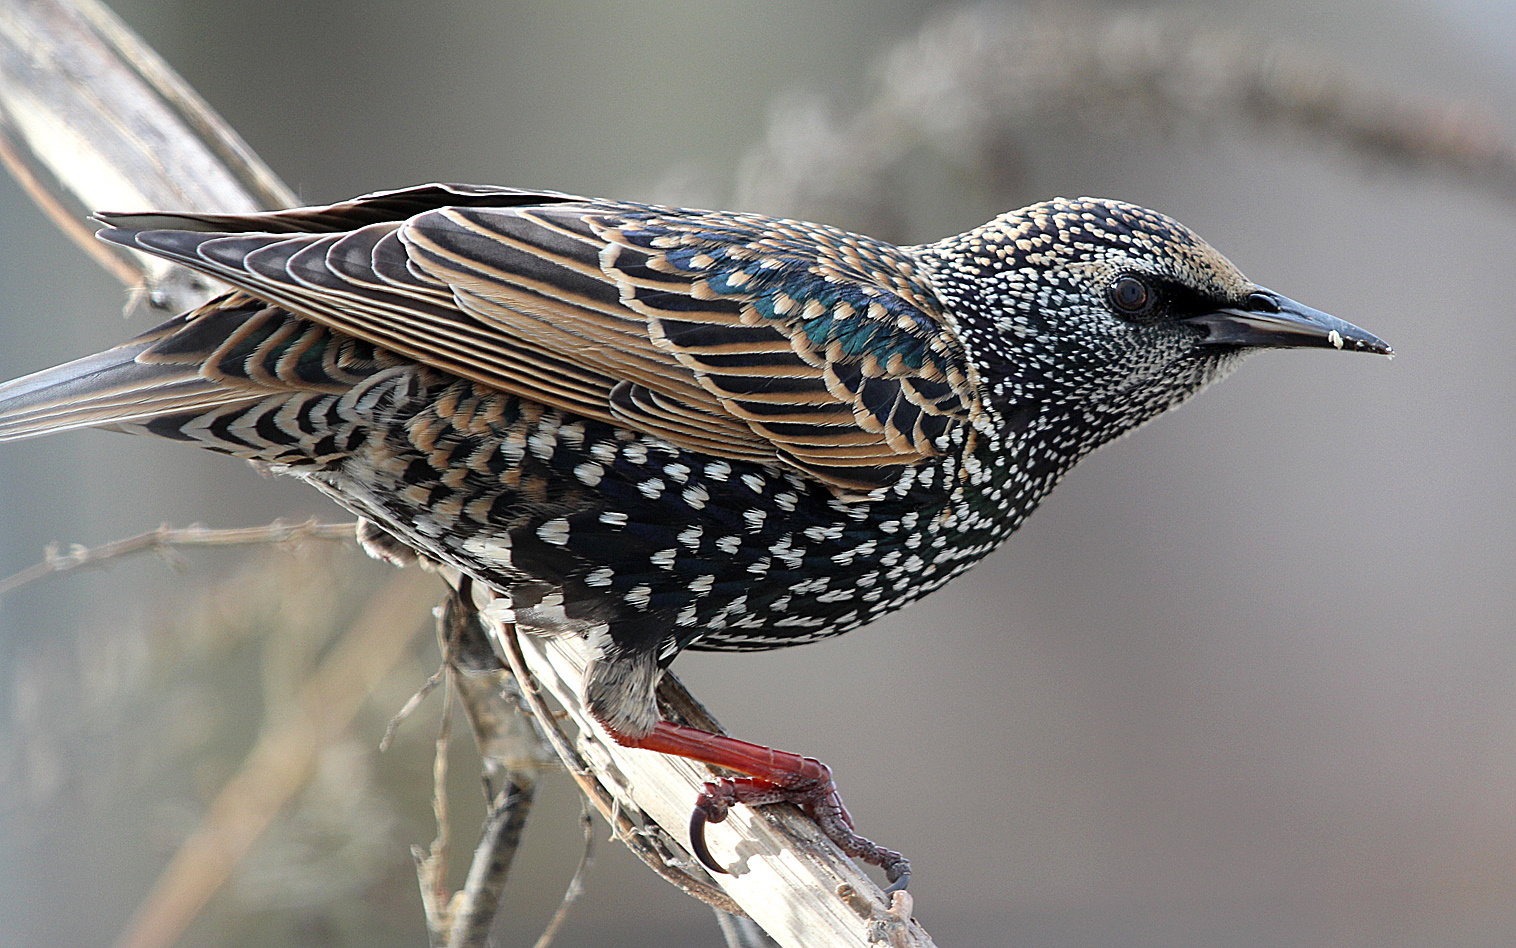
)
(773, 776)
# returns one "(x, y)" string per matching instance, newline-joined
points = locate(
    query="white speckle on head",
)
(614, 518)
(664, 559)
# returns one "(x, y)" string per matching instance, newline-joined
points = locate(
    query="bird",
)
(666, 428)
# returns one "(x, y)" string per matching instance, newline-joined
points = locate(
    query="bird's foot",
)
(772, 776)
(816, 796)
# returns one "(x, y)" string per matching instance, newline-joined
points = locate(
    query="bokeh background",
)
(1248, 678)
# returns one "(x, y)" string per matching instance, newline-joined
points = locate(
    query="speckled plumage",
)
(667, 428)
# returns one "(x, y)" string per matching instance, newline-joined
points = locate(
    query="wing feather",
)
(732, 335)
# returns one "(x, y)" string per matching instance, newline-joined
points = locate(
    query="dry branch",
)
(165, 540)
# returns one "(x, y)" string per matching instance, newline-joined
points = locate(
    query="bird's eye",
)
(1130, 296)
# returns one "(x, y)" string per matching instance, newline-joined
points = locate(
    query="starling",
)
(665, 428)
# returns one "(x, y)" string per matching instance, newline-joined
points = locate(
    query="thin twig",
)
(576, 883)
(513, 755)
(166, 538)
(431, 869)
(475, 905)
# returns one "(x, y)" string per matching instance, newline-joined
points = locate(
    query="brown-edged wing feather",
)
(733, 335)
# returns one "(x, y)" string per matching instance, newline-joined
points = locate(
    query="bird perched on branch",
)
(664, 428)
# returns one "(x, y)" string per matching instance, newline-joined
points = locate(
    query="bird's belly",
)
(625, 529)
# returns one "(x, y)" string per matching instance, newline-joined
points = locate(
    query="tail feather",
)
(104, 390)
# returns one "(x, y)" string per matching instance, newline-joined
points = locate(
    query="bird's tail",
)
(106, 390)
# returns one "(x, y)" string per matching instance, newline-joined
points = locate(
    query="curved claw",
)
(769, 776)
(698, 819)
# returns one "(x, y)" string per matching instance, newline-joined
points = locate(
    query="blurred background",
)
(1247, 679)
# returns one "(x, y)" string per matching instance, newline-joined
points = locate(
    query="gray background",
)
(1248, 678)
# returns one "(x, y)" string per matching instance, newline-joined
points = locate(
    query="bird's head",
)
(1114, 311)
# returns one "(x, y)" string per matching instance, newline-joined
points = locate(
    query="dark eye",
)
(1130, 296)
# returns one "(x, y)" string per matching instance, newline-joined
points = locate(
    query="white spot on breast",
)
(614, 518)
(589, 473)
(635, 453)
(664, 559)
(718, 470)
(555, 531)
(804, 622)
(696, 497)
(652, 488)
(600, 577)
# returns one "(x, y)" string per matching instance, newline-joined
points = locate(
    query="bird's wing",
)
(732, 335)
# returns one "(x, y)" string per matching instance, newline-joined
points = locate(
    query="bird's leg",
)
(773, 776)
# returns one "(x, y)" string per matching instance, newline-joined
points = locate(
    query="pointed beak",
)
(1271, 321)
